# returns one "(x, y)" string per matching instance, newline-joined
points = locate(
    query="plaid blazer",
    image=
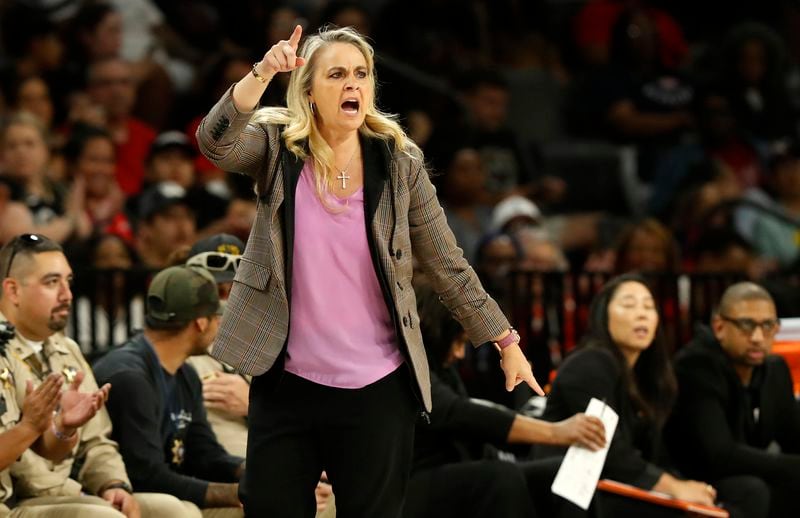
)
(403, 219)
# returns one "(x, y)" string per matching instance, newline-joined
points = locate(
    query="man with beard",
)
(736, 412)
(157, 403)
(36, 299)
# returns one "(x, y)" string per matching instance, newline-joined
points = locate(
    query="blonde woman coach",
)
(322, 312)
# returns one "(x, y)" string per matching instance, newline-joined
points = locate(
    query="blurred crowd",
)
(599, 135)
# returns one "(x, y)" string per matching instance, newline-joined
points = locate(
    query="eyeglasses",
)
(748, 326)
(215, 261)
(21, 242)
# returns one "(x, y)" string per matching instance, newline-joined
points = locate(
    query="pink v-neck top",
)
(340, 333)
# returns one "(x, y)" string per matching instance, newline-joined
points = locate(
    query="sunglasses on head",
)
(215, 261)
(21, 242)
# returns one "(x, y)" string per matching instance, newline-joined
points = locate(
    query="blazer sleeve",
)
(435, 247)
(593, 373)
(229, 139)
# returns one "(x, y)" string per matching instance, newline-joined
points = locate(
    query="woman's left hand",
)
(517, 369)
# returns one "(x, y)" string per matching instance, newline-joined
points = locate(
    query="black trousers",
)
(363, 439)
(466, 489)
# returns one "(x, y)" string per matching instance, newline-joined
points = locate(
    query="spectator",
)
(724, 251)
(37, 300)
(56, 212)
(623, 360)
(172, 159)
(753, 68)
(647, 246)
(31, 42)
(165, 222)
(32, 94)
(483, 126)
(97, 32)
(111, 309)
(15, 217)
(736, 400)
(464, 199)
(635, 98)
(225, 392)
(721, 140)
(452, 474)
(90, 158)
(32, 426)
(157, 406)
(111, 85)
(774, 237)
(594, 23)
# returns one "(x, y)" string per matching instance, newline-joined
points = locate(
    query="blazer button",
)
(398, 253)
(405, 321)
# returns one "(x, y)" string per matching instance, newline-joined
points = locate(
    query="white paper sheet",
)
(577, 477)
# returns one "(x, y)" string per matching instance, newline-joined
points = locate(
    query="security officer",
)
(36, 299)
(34, 427)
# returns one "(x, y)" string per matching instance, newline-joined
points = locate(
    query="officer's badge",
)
(177, 452)
(69, 373)
(6, 378)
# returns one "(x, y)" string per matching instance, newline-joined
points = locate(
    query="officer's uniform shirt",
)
(37, 476)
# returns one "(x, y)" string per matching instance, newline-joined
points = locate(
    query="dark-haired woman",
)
(624, 361)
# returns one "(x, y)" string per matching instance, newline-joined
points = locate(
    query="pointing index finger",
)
(294, 39)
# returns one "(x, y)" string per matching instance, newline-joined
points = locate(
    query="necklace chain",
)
(343, 172)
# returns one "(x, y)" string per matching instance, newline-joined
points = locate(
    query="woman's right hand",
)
(580, 429)
(282, 57)
(694, 491)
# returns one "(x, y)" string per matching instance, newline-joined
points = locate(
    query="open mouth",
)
(641, 331)
(351, 106)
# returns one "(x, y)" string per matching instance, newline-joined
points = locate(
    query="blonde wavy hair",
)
(298, 118)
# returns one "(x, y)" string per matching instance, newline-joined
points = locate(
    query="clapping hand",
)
(39, 403)
(78, 407)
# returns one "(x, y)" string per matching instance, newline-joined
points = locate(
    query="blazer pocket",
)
(252, 274)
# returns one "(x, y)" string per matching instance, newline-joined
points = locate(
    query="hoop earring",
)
(311, 104)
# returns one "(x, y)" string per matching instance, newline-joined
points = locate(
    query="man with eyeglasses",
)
(736, 413)
(36, 299)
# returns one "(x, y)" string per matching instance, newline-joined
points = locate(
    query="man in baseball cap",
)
(174, 448)
(166, 221)
(219, 254)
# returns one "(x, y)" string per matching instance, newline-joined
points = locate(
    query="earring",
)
(311, 104)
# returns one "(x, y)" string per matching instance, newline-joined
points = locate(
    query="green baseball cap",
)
(180, 294)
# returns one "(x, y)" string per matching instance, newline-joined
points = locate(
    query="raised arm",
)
(226, 136)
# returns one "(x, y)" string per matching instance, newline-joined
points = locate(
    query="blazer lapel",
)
(292, 166)
(376, 173)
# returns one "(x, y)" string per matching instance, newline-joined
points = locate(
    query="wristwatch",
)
(119, 485)
(510, 338)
